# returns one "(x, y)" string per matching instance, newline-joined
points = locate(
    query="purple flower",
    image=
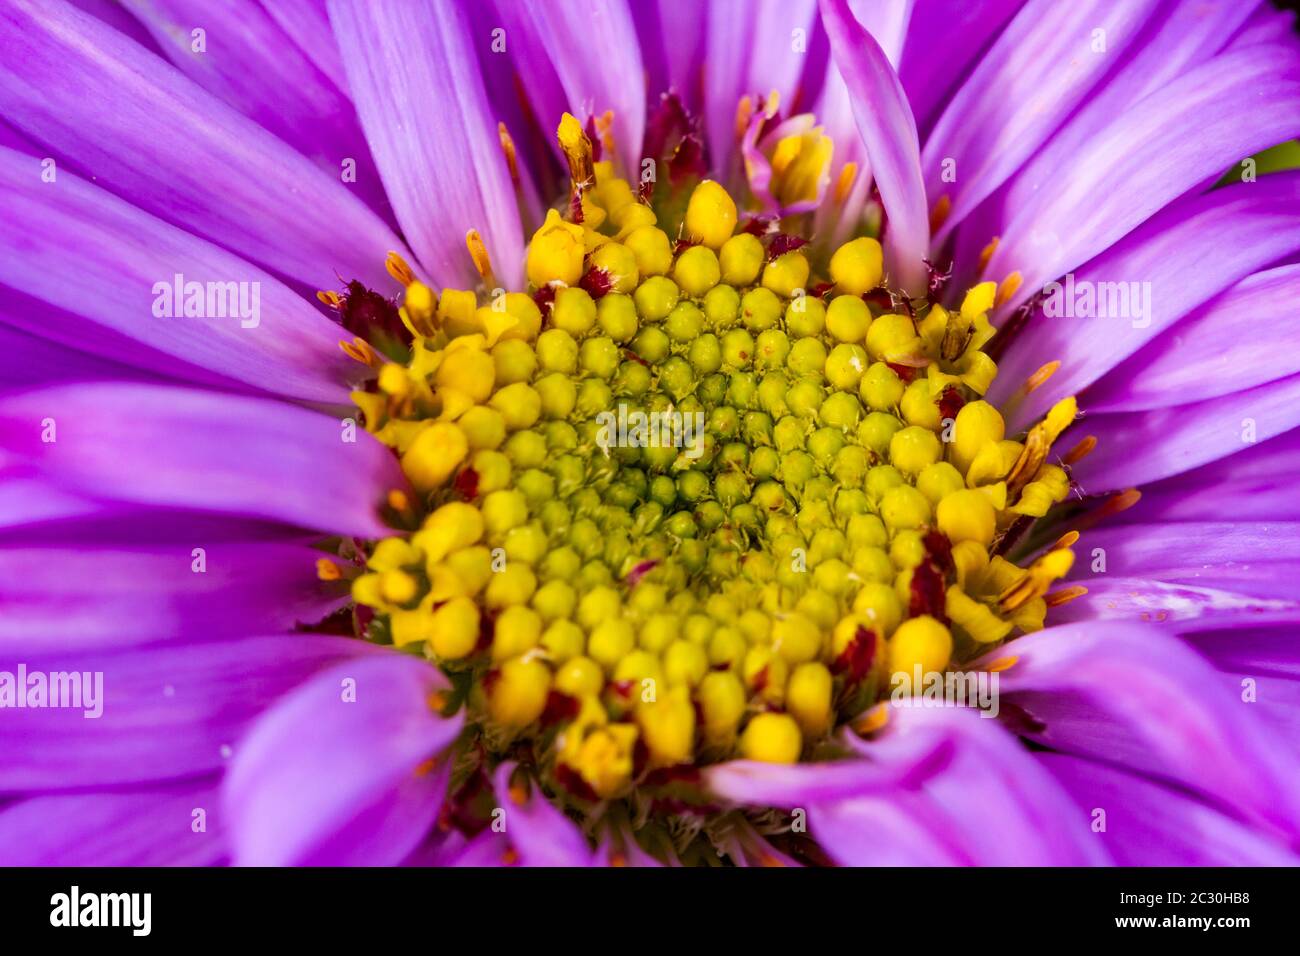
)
(312, 549)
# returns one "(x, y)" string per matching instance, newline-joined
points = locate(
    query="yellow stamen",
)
(1065, 595)
(576, 146)
(508, 147)
(1009, 287)
(744, 111)
(361, 351)
(873, 720)
(478, 252)
(939, 215)
(398, 269)
(1002, 664)
(1066, 540)
(327, 570)
(1080, 451)
(844, 184)
(986, 253)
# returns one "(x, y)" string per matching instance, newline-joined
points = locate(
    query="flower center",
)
(696, 497)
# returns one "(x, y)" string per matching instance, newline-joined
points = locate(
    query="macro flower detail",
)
(452, 446)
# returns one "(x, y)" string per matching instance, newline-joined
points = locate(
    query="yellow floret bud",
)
(518, 695)
(857, 266)
(620, 263)
(848, 318)
(696, 270)
(668, 727)
(653, 251)
(453, 631)
(786, 273)
(556, 252)
(434, 455)
(579, 676)
(912, 449)
(453, 526)
(741, 259)
(920, 641)
(517, 630)
(519, 404)
(967, 516)
(808, 698)
(710, 215)
(513, 584)
(722, 703)
(771, 738)
(977, 424)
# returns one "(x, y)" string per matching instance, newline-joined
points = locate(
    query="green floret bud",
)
(616, 316)
(737, 348)
(722, 307)
(705, 354)
(652, 344)
(760, 309)
(656, 297)
(685, 322)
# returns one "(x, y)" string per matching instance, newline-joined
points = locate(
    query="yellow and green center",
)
(614, 602)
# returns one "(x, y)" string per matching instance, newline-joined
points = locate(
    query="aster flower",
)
(324, 324)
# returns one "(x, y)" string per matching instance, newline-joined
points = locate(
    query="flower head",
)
(669, 429)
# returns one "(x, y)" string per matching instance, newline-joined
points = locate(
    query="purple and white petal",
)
(339, 772)
(115, 111)
(414, 77)
(889, 134)
(171, 712)
(206, 451)
(1140, 699)
(141, 292)
(178, 825)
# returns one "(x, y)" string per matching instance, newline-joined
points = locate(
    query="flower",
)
(400, 574)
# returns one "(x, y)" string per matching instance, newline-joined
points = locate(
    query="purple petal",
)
(1201, 552)
(335, 773)
(1214, 351)
(1038, 71)
(255, 67)
(155, 138)
(95, 257)
(748, 52)
(174, 447)
(943, 40)
(1259, 481)
(1142, 700)
(672, 36)
(1187, 254)
(414, 77)
(156, 827)
(1179, 438)
(94, 595)
(1183, 37)
(1154, 151)
(938, 787)
(307, 23)
(593, 46)
(889, 133)
(26, 360)
(169, 711)
(540, 833)
(1263, 650)
(1147, 824)
(1173, 606)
